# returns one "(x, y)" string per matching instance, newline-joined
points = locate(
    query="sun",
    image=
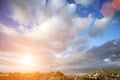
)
(26, 60)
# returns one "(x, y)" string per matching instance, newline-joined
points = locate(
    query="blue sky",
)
(110, 33)
(59, 35)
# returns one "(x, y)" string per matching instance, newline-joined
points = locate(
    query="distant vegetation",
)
(100, 74)
(33, 76)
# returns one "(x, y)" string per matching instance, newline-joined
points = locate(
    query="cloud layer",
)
(57, 33)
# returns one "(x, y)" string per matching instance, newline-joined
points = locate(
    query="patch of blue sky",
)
(111, 33)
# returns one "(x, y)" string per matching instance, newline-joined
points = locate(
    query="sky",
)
(68, 35)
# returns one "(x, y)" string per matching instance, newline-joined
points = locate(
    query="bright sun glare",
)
(27, 60)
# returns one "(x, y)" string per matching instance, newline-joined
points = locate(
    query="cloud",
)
(106, 55)
(40, 21)
(21, 11)
(99, 26)
(56, 4)
(109, 50)
(71, 8)
(44, 50)
(82, 24)
(53, 33)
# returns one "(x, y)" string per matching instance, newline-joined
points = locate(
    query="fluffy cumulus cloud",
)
(53, 33)
(99, 26)
(82, 24)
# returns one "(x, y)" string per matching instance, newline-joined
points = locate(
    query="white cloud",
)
(48, 29)
(56, 4)
(19, 17)
(99, 26)
(8, 31)
(23, 12)
(101, 23)
(71, 8)
(107, 60)
(82, 24)
(49, 24)
(20, 12)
